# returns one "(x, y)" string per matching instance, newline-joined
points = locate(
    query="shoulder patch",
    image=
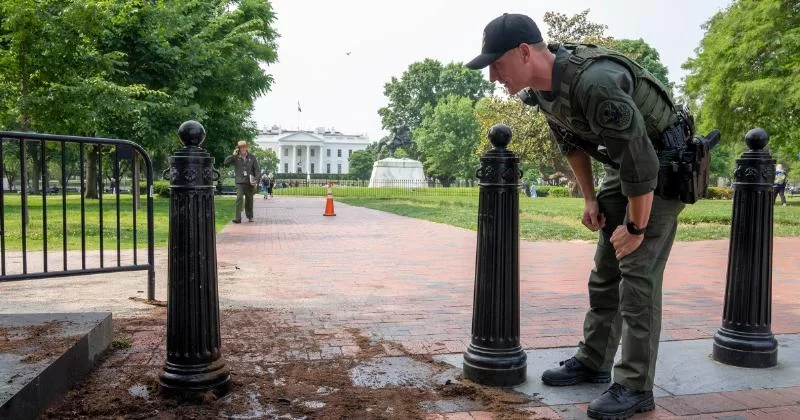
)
(613, 114)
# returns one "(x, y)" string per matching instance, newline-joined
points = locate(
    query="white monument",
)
(394, 172)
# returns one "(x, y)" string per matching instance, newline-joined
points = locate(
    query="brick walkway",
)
(411, 282)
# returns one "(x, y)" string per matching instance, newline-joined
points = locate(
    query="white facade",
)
(311, 152)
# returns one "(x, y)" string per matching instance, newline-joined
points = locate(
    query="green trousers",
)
(244, 195)
(625, 296)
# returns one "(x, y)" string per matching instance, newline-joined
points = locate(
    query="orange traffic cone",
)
(329, 202)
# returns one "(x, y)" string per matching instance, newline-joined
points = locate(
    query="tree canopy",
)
(746, 74)
(135, 69)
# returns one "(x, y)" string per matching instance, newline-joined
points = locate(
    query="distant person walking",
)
(780, 183)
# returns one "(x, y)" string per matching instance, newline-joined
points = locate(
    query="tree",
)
(746, 73)
(647, 57)
(447, 138)
(577, 29)
(426, 83)
(267, 159)
(135, 69)
(361, 164)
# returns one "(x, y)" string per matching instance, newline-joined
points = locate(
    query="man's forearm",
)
(639, 209)
(581, 166)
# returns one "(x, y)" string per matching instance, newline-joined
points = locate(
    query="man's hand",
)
(592, 218)
(236, 152)
(625, 243)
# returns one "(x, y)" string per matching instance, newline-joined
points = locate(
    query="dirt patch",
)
(277, 371)
(35, 342)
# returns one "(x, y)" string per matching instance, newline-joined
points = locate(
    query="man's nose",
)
(492, 74)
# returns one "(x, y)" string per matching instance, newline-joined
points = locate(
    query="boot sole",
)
(599, 379)
(643, 407)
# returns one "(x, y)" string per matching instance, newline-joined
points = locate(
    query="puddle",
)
(139, 391)
(392, 371)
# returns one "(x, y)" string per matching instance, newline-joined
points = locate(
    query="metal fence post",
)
(745, 338)
(194, 357)
(494, 356)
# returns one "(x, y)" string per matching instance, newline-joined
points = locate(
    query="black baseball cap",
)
(503, 34)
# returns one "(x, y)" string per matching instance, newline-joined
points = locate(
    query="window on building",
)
(349, 153)
(286, 151)
(300, 152)
(339, 153)
(329, 167)
(312, 154)
(286, 168)
(312, 168)
(339, 168)
(329, 154)
(299, 170)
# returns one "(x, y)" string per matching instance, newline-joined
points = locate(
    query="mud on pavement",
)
(279, 370)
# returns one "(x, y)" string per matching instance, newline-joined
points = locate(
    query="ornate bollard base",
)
(744, 349)
(214, 376)
(492, 367)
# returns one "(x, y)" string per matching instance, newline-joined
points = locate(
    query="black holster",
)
(684, 164)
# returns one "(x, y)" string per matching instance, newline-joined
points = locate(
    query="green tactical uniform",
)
(244, 168)
(610, 102)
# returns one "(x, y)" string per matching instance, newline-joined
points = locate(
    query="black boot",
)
(571, 372)
(619, 403)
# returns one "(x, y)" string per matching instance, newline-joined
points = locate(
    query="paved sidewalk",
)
(411, 282)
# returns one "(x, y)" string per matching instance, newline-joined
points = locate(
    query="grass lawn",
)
(12, 229)
(551, 219)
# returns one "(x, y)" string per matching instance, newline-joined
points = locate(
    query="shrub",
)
(161, 188)
(551, 191)
(720, 193)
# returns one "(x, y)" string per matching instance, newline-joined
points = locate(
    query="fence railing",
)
(35, 243)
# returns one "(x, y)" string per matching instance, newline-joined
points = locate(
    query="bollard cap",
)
(192, 133)
(500, 136)
(756, 138)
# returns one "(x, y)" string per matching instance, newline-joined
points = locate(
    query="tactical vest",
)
(650, 96)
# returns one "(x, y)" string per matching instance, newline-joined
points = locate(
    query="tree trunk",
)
(572, 184)
(91, 176)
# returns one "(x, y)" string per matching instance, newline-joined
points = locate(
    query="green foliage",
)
(578, 29)
(747, 73)
(425, 83)
(551, 191)
(647, 57)
(447, 139)
(720, 193)
(267, 160)
(161, 188)
(361, 164)
(135, 69)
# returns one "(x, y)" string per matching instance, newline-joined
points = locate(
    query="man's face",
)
(243, 150)
(508, 70)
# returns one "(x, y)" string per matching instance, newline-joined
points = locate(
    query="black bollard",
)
(494, 356)
(194, 358)
(745, 338)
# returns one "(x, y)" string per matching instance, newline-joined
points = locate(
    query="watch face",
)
(633, 230)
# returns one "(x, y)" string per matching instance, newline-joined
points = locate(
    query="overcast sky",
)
(341, 91)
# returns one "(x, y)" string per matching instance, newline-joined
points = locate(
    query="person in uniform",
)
(246, 172)
(601, 104)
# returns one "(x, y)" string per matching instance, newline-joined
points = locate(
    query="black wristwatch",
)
(633, 230)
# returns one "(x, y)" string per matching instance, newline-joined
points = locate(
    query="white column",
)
(319, 166)
(294, 160)
(308, 159)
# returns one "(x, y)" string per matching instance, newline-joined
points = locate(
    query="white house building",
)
(311, 152)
